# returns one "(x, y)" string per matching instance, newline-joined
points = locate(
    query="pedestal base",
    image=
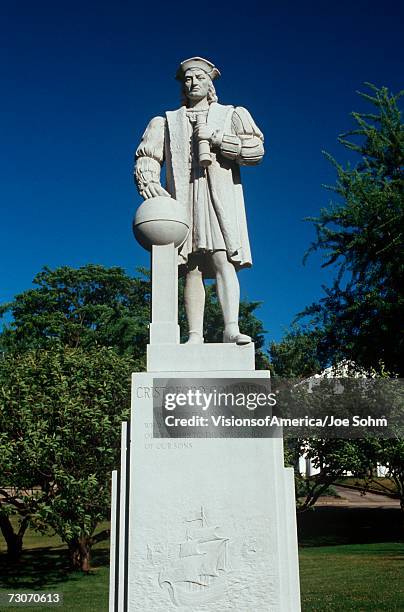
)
(200, 357)
(202, 524)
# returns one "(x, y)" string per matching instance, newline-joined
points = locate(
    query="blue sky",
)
(81, 80)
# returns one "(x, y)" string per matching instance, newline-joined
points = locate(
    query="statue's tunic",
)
(213, 195)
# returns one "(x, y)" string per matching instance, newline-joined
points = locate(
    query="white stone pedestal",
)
(228, 501)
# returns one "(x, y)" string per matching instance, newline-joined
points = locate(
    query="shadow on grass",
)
(47, 566)
(325, 526)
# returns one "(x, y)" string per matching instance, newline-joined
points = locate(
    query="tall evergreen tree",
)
(362, 235)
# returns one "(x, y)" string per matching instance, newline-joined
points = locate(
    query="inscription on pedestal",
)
(153, 444)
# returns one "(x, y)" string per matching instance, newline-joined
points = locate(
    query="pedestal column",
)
(164, 328)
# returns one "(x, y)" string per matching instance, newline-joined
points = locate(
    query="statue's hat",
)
(197, 62)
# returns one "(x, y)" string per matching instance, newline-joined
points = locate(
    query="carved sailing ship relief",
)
(200, 574)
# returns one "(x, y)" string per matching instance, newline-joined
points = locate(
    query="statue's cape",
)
(224, 180)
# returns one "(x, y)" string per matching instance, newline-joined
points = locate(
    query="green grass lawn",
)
(44, 567)
(357, 577)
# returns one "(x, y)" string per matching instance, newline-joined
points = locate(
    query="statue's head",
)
(196, 76)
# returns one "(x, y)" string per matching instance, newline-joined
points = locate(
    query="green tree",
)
(360, 316)
(297, 354)
(390, 453)
(60, 415)
(333, 458)
(361, 235)
(85, 307)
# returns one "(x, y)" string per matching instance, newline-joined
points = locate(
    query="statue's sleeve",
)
(149, 155)
(245, 144)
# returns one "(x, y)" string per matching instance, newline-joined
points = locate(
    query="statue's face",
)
(196, 84)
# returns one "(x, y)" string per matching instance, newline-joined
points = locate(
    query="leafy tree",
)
(297, 354)
(333, 458)
(360, 316)
(60, 415)
(85, 307)
(390, 453)
(361, 234)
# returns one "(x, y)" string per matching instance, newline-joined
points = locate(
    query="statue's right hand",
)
(153, 190)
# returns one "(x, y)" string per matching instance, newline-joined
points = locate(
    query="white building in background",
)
(306, 467)
(382, 471)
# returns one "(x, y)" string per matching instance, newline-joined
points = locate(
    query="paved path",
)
(351, 498)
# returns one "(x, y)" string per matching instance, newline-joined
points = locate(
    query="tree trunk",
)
(13, 539)
(79, 551)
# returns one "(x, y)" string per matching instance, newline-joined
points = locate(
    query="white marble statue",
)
(203, 143)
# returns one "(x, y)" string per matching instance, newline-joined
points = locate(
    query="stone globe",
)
(160, 221)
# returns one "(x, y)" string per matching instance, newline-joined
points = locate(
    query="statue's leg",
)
(194, 299)
(228, 292)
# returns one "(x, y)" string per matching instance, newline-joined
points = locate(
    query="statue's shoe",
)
(238, 338)
(195, 338)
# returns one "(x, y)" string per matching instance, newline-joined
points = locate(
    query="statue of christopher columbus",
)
(203, 144)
